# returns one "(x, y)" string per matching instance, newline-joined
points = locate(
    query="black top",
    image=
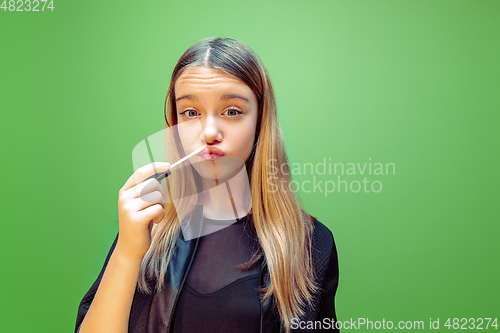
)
(325, 265)
(218, 295)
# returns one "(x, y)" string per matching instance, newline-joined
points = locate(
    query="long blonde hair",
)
(284, 230)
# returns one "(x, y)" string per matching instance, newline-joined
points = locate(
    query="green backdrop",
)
(412, 83)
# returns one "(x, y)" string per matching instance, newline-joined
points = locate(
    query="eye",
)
(190, 113)
(233, 112)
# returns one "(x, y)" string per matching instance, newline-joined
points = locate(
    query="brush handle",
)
(160, 176)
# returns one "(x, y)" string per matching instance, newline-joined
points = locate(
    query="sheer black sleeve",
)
(89, 296)
(326, 265)
(326, 307)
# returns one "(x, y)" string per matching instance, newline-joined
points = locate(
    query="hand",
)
(140, 204)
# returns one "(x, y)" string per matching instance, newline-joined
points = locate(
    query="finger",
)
(154, 213)
(159, 218)
(144, 172)
(148, 200)
(141, 189)
(145, 187)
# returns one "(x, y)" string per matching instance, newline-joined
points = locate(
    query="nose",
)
(211, 130)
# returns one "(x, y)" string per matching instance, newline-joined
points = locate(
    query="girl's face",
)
(227, 112)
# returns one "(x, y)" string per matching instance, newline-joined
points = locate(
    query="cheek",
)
(243, 139)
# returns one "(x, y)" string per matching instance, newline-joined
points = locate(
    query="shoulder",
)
(323, 250)
(322, 239)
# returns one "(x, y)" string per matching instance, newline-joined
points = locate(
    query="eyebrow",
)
(223, 97)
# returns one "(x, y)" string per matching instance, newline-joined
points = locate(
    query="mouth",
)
(211, 153)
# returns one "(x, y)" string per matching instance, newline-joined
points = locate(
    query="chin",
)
(226, 168)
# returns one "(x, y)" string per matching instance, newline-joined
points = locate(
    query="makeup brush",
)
(160, 176)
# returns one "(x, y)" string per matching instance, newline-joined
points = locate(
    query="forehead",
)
(205, 78)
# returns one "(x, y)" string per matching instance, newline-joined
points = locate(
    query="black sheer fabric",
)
(218, 296)
(146, 312)
(234, 308)
(219, 254)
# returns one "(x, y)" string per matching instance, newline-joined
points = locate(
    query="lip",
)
(211, 153)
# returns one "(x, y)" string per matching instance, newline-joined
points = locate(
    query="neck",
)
(230, 199)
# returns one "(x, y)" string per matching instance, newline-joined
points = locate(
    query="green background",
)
(414, 83)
